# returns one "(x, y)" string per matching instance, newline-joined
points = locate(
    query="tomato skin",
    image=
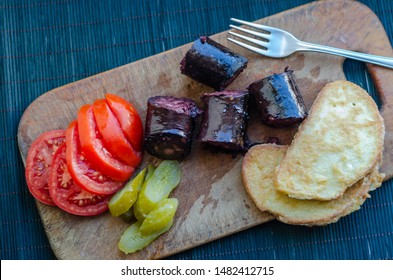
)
(81, 169)
(93, 147)
(38, 163)
(112, 135)
(68, 195)
(129, 119)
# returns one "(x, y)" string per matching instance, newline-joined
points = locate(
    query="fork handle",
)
(370, 58)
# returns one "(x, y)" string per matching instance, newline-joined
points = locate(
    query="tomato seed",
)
(86, 201)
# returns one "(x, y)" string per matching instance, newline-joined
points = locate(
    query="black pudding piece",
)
(279, 100)
(170, 123)
(224, 120)
(212, 64)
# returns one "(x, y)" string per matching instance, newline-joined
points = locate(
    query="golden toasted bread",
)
(337, 145)
(258, 172)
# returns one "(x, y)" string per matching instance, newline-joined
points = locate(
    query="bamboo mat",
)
(48, 43)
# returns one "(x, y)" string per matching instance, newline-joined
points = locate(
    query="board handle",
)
(369, 36)
(383, 82)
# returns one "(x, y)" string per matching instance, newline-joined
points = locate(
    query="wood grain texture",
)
(212, 200)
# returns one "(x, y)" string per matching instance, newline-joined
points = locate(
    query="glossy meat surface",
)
(279, 100)
(224, 121)
(212, 64)
(170, 123)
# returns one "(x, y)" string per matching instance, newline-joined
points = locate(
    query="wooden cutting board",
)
(212, 201)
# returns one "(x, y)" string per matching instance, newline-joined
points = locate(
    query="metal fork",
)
(279, 43)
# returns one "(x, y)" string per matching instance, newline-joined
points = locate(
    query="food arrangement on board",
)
(327, 171)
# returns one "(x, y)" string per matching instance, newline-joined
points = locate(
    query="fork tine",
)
(248, 39)
(251, 48)
(248, 31)
(257, 26)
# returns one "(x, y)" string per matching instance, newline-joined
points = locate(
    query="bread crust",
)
(258, 175)
(336, 146)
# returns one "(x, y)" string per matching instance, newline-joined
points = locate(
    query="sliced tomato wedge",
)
(113, 136)
(39, 161)
(82, 171)
(94, 150)
(129, 119)
(68, 195)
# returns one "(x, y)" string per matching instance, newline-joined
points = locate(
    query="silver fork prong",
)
(255, 25)
(248, 31)
(251, 48)
(281, 43)
(251, 40)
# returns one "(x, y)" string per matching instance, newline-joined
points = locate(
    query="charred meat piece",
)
(279, 100)
(169, 127)
(224, 120)
(212, 64)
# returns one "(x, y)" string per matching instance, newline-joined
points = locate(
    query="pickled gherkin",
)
(123, 200)
(165, 178)
(136, 208)
(160, 216)
(137, 211)
(150, 171)
(134, 240)
(153, 209)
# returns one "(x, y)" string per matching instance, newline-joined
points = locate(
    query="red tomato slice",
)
(81, 169)
(68, 195)
(129, 119)
(112, 135)
(94, 150)
(39, 161)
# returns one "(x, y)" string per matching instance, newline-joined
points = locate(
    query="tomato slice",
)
(112, 135)
(39, 161)
(81, 169)
(94, 150)
(68, 195)
(129, 119)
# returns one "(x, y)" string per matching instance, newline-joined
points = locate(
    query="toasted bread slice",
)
(337, 145)
(258, 172)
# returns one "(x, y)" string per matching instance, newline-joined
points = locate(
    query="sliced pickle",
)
(165, 178)
(136, 208)
(160, 216)
(133, 240)
(123, 200)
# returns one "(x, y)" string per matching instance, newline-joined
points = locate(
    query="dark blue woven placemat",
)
(48, 43)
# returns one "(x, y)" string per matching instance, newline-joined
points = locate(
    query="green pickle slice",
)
(150, 171)
(123, 200)
(136, 208)
(160, 216)
(153, 209)
(165, 178)
(134, 240)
